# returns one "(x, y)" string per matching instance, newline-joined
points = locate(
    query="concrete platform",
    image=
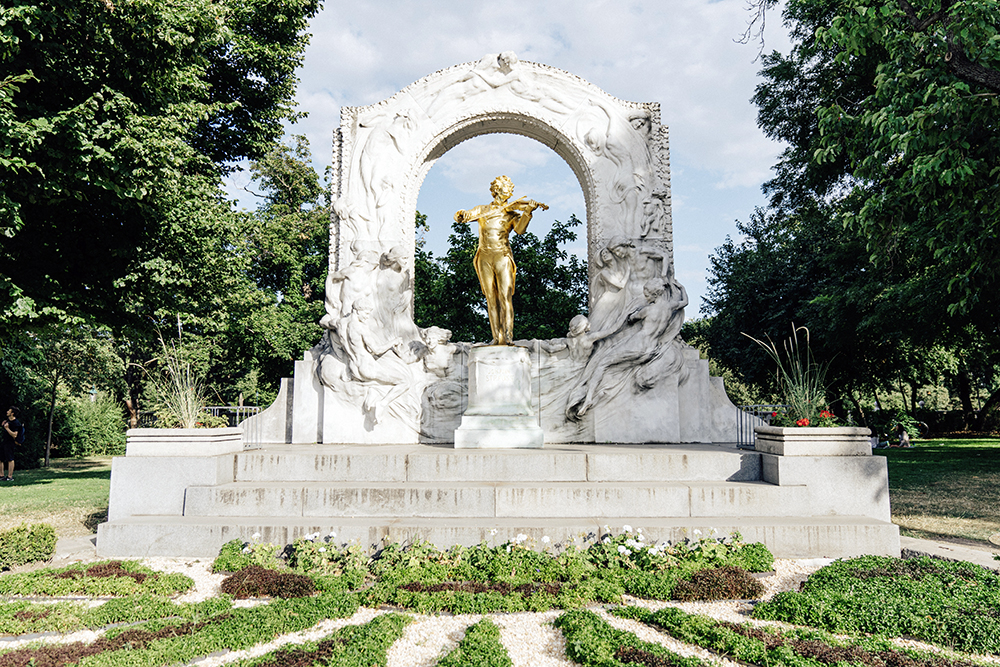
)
(371, 493)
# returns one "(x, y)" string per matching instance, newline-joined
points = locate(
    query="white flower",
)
(641, 537)
(697, 532)
(624, 551)
(654, 551)
(493, 532)
(545, 539)
(255, 536)
(333, 533)
(508, 548)
(713, 531)
(322, 549)
(638, 530)
(521, 537)
(246, 550)
(627, 528)
(607, 540)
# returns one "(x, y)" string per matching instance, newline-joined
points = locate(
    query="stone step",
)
(551, 499)
(202, 537)
(554, 463)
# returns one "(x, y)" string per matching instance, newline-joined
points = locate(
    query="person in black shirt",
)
(11, 434)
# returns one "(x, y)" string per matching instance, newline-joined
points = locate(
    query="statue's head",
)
(394, 256)
(506, 61)
(503, 186)
(435, 336)
(653, 289)
(579, 325)
(363, 307)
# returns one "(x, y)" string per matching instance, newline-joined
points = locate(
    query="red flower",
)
(803, 422)
(774, 414)
(826, 414)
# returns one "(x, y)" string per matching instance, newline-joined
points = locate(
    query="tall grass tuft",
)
(801, 381)
(178, 391)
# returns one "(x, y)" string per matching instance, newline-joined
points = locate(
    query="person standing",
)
(11, 436)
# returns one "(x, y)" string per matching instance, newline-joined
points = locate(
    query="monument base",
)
(499, 415)
(498, 432)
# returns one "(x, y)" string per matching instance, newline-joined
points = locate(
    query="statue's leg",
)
(487, 282)
(506, 271)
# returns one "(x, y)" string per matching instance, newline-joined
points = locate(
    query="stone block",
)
(813, 441)
(401, 500)
(650, 416)
(156, 484)
(321, 464)
(848, 485)
(634, 464)
(183, 441)
(244, 500)
(498, 466)
(307, 402)
(748, 499)
(589, 500)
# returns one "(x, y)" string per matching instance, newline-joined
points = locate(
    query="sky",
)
(683, 54)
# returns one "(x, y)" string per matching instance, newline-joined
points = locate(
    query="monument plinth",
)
(499, 414)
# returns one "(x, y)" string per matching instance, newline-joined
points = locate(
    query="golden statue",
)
(494, 262)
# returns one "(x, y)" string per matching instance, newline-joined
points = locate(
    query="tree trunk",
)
(991, 403)
(857, 406)
(52, 414)
(965, 390)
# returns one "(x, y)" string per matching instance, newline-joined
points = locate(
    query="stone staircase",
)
(370, 494)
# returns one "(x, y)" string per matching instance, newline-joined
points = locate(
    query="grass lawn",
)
(946, 487)
(71, 495)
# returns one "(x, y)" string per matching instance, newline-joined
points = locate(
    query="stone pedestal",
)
(499, 413)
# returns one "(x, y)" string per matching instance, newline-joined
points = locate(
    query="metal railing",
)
(750, 416)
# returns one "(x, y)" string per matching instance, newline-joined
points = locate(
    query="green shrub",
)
(102, 579)
(953, 604)
(480, 647)
(593, 643)
(26, 544)
(753, 557)
(92, 428)
(364, 645)
(237, 555)
(796, 647)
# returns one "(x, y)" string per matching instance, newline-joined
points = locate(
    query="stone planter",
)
(183, 441)
(814, 441)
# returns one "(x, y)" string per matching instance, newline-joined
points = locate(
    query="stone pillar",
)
(499, 414)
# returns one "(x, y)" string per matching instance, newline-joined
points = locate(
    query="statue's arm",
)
(472, 214)
(521, 223)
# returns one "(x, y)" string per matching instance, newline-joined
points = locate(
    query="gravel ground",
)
(530, 638)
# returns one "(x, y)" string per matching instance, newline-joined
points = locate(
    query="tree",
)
(285, 252)
(924, 145)
(113, 116)
(551, 285)
(893, 289)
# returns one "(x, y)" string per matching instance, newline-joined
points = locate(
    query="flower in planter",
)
(801, 381)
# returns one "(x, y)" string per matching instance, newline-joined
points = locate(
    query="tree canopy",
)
(881, 236)
(116, 122)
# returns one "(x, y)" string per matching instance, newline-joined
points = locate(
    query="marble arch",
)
(378, 378)
(618, 151)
